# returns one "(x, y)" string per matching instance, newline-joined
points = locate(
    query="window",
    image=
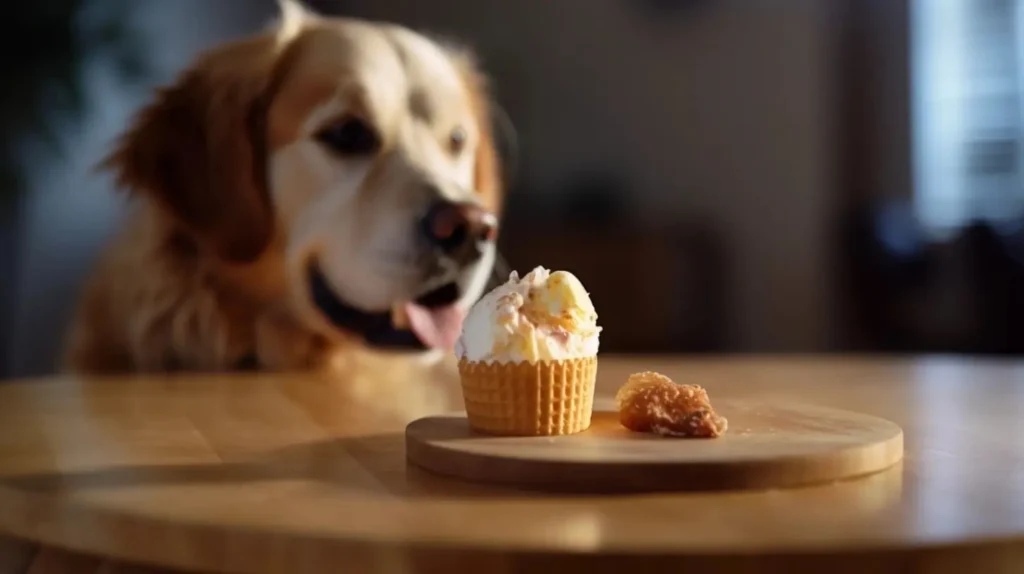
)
(966, 100)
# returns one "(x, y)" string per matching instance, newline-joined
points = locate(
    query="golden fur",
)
(201, 277)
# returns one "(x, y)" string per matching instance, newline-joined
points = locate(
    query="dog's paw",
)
(284, 345)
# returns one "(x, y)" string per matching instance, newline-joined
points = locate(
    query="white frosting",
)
(544, 316)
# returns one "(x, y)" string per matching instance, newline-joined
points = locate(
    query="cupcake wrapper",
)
(529, 399)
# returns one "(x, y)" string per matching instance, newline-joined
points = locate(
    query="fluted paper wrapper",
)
(529, 399)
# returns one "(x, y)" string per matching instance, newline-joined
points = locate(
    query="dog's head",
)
(359, 154)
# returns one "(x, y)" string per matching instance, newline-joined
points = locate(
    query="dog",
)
(324, 185)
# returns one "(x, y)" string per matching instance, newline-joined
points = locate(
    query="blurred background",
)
(724, 175)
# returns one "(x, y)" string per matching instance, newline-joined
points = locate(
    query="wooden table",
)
(270, 473)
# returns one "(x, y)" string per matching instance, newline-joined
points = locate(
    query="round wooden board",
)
(766, 446)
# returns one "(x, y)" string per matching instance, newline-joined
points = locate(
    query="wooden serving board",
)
(766, 446)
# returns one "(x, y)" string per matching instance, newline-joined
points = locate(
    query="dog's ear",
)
(294, 16)
(198, 150)
(488, 166)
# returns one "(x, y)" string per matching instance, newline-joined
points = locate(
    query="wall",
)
(724, 109)
(69, 211)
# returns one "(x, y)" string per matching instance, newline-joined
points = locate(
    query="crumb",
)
(651, 402)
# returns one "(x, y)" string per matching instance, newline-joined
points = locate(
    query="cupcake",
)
(528, 356)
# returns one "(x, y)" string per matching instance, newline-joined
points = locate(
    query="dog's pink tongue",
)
(439, 327)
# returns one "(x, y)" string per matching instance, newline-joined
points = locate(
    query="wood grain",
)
(769, 446)
(297, 473)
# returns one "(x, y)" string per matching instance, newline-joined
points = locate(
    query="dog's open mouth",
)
(431, 321)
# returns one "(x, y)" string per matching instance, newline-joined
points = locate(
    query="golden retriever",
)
(327, 184)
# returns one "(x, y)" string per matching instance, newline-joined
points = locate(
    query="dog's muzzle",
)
(377, 329)
(454, 236)
(458, 231)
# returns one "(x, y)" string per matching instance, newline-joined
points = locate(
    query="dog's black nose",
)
(458, 228)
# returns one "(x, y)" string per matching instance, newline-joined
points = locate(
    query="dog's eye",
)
(457, 140)
(351, 136)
